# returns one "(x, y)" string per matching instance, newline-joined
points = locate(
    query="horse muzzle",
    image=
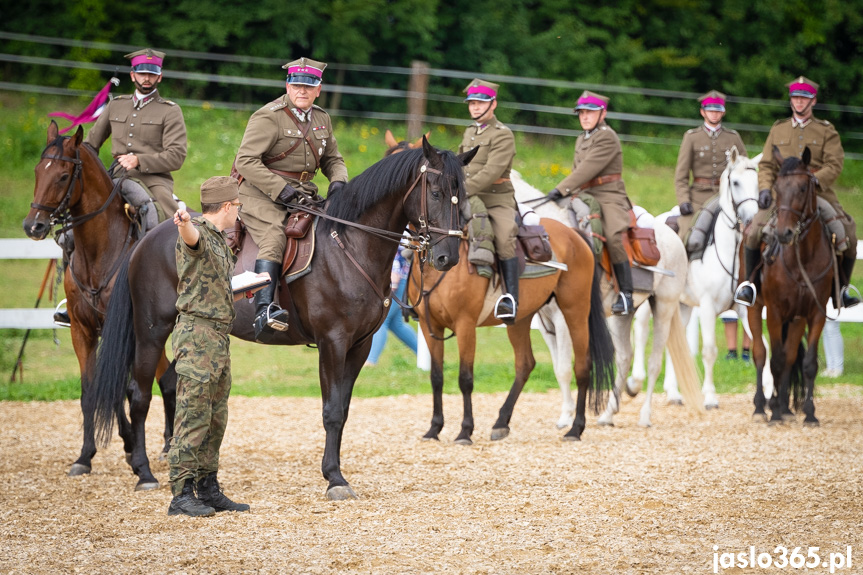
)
(36, 229)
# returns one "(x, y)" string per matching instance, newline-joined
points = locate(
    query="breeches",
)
(615, 221)
(164, 194)
(266, 221)
(503, 225)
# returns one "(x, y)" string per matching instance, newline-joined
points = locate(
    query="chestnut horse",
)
(796, 282)
(74, 191)
(337, 306)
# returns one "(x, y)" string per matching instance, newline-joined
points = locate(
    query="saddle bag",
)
(298, 225)
(534, 242)
(644, 248)
(234, 236)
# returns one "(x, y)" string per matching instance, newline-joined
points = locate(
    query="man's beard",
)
(145, 90)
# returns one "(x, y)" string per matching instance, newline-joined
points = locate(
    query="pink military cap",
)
(802, 86)
(147, 61)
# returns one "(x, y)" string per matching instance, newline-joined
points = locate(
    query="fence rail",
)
(25, 249)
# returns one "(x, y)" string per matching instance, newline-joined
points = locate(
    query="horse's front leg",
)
(780, 369)
(466, 336)
(810, 369)
(85, 347)
(759, 358)
(519, 338)
(707, 314)
(434, 341)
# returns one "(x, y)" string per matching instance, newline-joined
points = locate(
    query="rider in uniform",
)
(703, 154)
(596, 169)
(489, 189)
(792, 136)
(284, 145)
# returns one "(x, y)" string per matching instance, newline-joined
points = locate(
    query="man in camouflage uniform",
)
(792, 136)
(490, 192)
(201, 347)
(596, 169)
(148, 133)
(284, 145)
(703, 154)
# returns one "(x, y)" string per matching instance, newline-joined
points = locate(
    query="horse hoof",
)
(759, 417)
(644, 424)
(147, 486)
(775, 422)
(341, 493)
(128, 458)
(605, 423)
(709, 406)
(463, 441)
(789, 417)
(499, 433)
(814, 423)
(675, 402)
(78, 469)
(570, 438)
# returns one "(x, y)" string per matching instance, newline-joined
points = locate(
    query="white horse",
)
(713, 278)
(668, 328)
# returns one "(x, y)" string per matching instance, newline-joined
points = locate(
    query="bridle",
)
(804, 218)
(734, 224)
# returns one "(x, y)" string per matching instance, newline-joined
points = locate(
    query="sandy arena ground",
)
(623, 500)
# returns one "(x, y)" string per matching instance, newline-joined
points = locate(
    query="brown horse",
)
(796, 283)
(458, 300)
(75, 192)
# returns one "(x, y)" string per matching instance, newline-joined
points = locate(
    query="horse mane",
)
(790, 165)
(393, 174)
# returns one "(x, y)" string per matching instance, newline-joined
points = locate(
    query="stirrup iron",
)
(272, 322)
(506, 315)
(743, 302)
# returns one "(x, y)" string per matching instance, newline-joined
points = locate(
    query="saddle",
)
(298, 252)
(141, 206)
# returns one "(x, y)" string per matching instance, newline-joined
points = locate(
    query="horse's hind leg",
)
(168, 387)
(640, 329)
(519, 337)
(85, 343)
(144, 370)
(619, 327)
(560, 348)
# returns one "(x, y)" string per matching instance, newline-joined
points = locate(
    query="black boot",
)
(848, 299)
(506, 307)
(269, 317)
(211, 494)
(746, 291)
(624, 304)
(187, 504)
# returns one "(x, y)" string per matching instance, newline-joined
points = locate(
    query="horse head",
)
(394, 147)
(738, 186)
(58, 182)
(795, 196)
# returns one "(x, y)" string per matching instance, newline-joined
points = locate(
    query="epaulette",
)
(730, 131)
(502, 127)
(164, 101)
(277, 105)
(692, 131)
(825, 122)
(315, 106)
(123, 97)
(782, 121)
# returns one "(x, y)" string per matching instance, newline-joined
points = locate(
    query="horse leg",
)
(466, 336)
(640, 329)
(519, 338)
(167, 377)
(779, 368)
(435, 342)
(582, 366)
(707, 316)
(85, 343)
(759, 358)
(669, 384)
(141, 384)
(663, 312)
(619, 326)
(810, 369)
(561, 358)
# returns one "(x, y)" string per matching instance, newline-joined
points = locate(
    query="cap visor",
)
(480, 97)
(803, 94)
(588, 107)
(147, 69)
(304, 79)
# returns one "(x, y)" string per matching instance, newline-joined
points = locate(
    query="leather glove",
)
(335, 187)
(764, 199)
(287, 194)
(555, 195)
(685, 208)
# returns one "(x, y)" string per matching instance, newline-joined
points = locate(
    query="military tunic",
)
(155, 133)
(703, 154)
(487, 180)
(598, 153)
(270, 132)
(827, 160)
(202, 350)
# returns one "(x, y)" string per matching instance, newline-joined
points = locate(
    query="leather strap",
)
(707, 181)
(301, 176)
(599, 181)
(500, 181)
(305, 132)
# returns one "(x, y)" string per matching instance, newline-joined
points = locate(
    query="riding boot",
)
(187, 504)
(211, 494)
(506, 307)
(747, 290)
(66, 241)
(848, 299)
(269, 317)
(624, 304)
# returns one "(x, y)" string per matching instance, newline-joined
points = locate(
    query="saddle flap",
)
(300, 250)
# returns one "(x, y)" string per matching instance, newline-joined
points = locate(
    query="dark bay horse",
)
(74, 191)
(457, 300)
(796, 283)
(336, 307)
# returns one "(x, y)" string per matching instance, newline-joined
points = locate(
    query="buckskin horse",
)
(337, 306)
(796, 281)
(74, 191)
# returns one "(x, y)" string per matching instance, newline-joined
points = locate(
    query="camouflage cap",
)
(220, 189)
(305, 71)
(481, 90)
(713, 101)
(147, 61)
(591, 101)
(802, 86)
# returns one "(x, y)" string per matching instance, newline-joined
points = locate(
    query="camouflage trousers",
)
(203, 386)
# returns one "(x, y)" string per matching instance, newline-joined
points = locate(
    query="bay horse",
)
(664, 300)
(796, 282)
(337, 306)
(73, 190)
(458, 300)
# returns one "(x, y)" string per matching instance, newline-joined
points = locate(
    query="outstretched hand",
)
(181, 216)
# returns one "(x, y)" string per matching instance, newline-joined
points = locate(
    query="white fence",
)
(26, 249)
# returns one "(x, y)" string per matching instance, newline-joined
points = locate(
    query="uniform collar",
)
(480, 128)
(712, 131)
(795, 123)
(140, 100)
(594, 130)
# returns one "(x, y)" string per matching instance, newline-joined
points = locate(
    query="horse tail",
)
(684, 365)
(601, 349)
(114, 358)
(798, 385)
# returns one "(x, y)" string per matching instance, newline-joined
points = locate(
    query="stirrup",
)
(61, 316)
(273, 323)
(627, 305)
(507, 315)
(739, 299)
(846, 293)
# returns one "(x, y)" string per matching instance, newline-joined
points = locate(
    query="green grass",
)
(51, 372)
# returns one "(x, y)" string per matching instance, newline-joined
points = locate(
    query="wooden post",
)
(417, 98)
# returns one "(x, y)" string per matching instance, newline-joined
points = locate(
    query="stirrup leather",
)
(503, 299)
(272, 322)
(738, 298)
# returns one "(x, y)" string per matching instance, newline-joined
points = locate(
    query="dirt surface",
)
(623, 500)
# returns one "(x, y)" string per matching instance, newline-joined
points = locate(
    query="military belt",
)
(301, 176)
(707, 181)
(599, 181)
(221, 327)
(500, 181)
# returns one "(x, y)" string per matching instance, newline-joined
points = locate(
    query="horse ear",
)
(777, 156)
(431, 154)
(419, 141)
(79, 136)
(807, 155)
(53, 131)
(468, 156)
(757, 159)
(733, 154)
(390, 140)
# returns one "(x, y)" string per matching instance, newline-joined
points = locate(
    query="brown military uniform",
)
(155, 133)
(702, 154)
(270, 132)
(828, 158)
(487, 180)
(598, 154)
